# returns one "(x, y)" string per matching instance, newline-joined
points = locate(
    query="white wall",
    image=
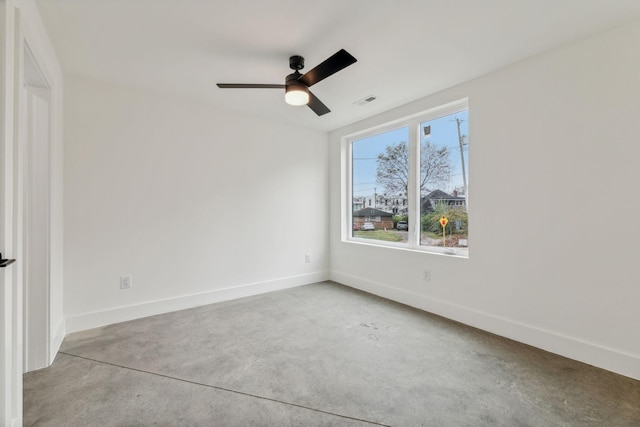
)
(554, 213)
(198, 205)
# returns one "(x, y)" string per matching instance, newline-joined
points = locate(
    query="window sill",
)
(460, 253)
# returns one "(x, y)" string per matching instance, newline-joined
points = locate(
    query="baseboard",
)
(122, 314)
(591, 353)
(56, 342)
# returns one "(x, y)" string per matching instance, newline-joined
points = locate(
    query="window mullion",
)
(414, 176)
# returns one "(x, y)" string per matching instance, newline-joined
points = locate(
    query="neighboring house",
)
(429, 202)
(395, 205)
(359, 203)
(380, 219)
(398, 205)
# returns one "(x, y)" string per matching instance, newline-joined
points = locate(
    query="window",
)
(370, 181)
(420, 165)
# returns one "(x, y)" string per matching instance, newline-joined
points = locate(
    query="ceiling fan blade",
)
(336, 62)
(249, 86)
(317, 106)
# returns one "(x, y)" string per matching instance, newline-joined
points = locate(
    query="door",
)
(34, 213)
(36, 237)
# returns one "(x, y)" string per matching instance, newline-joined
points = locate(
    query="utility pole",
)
(464, 172)
(375, 198)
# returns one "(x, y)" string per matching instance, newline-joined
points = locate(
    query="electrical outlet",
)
(125, 282)
(307, 257)
(426, 276)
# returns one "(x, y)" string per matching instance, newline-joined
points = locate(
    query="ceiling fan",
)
(296, 86)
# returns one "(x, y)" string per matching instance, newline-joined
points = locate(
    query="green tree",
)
(397, 218)
(455, 214)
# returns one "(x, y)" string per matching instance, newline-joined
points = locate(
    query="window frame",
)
(413, 124)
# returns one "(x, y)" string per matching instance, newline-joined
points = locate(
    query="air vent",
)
(366, 100)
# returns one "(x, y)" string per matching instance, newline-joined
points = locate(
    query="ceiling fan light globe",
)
(296, 95)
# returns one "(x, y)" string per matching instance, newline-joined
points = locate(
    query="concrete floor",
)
(317, 355)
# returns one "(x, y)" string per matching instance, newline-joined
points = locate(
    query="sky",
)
(444, 132)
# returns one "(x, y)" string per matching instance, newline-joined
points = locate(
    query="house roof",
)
(371, 212)
(441, 195)
(181, 48)
(435, 196)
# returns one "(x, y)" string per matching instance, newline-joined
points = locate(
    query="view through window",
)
(380, 167)
(423, 206)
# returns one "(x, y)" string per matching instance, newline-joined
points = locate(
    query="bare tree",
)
(393, 167)
(435, 167)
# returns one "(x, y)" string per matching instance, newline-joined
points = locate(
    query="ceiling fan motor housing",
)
(292, 79)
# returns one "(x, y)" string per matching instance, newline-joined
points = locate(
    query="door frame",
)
(21, 28)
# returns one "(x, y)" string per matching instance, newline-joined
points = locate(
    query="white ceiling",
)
(406, 49)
